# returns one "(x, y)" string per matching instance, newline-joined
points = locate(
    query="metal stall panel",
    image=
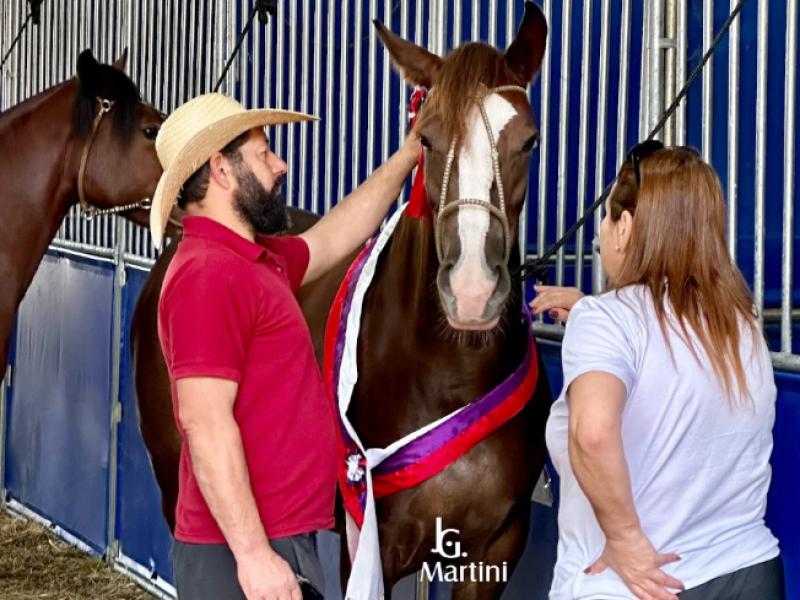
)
(784, 493)
(58, 419)
(142, 532)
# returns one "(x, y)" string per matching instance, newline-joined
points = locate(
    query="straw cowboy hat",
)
(189, 137)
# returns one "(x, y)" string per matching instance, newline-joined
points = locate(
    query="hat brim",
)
(199, 149)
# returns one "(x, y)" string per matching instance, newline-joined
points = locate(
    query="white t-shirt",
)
(699, 468)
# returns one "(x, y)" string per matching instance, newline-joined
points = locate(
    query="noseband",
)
(500, 213)
(87, 210)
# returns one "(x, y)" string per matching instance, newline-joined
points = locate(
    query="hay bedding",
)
(34, 564)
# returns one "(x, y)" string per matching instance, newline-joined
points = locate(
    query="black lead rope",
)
(262, 8)
(538, 268)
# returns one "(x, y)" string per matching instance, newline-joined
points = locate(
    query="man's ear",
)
(219, 171)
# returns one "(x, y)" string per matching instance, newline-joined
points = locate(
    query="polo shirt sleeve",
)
(295, 252)
(595, 340)
(208, 317)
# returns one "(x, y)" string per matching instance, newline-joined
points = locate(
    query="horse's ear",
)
(122, 61)
(524, 56)
(417, 65)
(88, 72)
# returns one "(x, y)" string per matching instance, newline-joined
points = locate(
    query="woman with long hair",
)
(663, 430)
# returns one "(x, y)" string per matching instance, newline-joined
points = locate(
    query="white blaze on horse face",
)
(472, 280)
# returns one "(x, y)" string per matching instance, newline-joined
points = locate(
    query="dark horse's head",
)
(121, 166)
(475, 220)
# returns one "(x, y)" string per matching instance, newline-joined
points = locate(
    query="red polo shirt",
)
(227, 310)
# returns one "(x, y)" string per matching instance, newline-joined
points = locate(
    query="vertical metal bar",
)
(624, 84)
(280, 27)
(733, 133)
(476, 20)
(493, 24)
(291, 191)
(708, 80)
(304, 202)
(600, 152)
(344, 84)
(386, 92)
(329, 92)
(544, 142)
(116, 406)
(210, 40)
(670, 68)
(680, 113)
(403, 122)
(316, 127)
(761, 153)
(357, 43)
(656, 65)
(258, 73)
(245, 86)
(456, 25)
(789, 165)
(371, 86)
(563, 134)
(644, 79)
(583, 130)
(191, 55)
(510, 23)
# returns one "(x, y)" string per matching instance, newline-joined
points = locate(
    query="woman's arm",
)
(596, 401)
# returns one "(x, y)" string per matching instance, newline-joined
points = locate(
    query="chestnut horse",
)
(436, 333)
(42, 142)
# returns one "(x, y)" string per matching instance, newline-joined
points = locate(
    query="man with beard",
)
(258, 462)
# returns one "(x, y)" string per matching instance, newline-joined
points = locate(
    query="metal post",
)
(457, 11)
(600, 152)
(4, 385)
(291, 186)
(371, 86)
(344, 84)
(583, 133)
(476, 19)
(329, 120)
(761, 153)
(386, 92)
(680, 70)
(624, 84)
(708, 80)
(493, 23)
(670, 45)
(316, 131)
(733, 133)
(563, 134)
(302, 200)
(357, 125)
(544, 143)
(789, 131)
(656, 64)
(112, 550)
(644, 76)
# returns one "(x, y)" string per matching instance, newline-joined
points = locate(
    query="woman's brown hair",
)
(678, 251)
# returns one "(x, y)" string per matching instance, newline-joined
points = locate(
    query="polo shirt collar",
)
(203, 227)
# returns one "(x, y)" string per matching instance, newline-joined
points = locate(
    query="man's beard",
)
(264, 210)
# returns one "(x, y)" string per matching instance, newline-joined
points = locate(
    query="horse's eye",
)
(425, 142)
(532, 143)
(151, 132)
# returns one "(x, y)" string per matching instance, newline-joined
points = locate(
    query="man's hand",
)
(266, 576)
(635, 560)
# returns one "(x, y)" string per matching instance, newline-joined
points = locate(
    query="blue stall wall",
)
(60, 411)
(141, 529)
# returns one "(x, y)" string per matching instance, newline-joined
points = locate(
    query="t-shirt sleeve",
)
(296, 253)
(208, 319)
(595, 340)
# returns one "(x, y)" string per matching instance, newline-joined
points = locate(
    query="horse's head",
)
(475, 106)
(121, 165)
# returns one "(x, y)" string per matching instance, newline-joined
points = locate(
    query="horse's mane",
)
(459, 81)
(112, 84)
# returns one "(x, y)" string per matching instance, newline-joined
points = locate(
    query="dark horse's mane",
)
(459, 81)
(104, 81)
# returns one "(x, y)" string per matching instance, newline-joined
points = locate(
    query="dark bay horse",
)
(42, 142)
(441, 324)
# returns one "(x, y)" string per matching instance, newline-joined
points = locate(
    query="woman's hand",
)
(635, 560)
(558, 301)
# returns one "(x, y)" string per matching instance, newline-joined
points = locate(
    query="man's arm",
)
(350, 223)
(205, 411)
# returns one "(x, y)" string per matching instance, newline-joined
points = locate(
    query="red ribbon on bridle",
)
(418, 200)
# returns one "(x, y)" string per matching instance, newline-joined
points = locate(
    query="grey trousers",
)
(763, 581)
(208, 571)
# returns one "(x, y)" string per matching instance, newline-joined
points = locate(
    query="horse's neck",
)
(38, 186)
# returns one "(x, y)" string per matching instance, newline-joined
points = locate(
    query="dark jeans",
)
(763, 581)
(208, 571)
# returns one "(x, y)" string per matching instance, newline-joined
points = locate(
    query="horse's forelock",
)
(108, 83)
(459, 82)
